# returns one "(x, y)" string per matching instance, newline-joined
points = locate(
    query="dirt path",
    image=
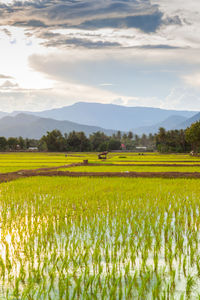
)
(124, 174)
(161, 161)
(31, 173)
(53, 171)
(144, 165)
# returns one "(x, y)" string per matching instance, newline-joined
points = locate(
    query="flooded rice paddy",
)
(103, 238)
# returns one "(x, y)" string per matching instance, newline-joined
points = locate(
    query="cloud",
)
(79, 42)
(7, 32)
(192, 80)
(16, 98)
(7, 85)
(83, 14)
(2, 76)
(144, 48)
(147, 23)
(130, 75)
(182, 98)
(157, 47)
(30, 23)
(106, 84)
(147, 20)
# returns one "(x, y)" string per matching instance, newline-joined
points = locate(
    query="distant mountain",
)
(170, 123)
(188, 122)
(29, 126)
(3, 114)
(111, 116)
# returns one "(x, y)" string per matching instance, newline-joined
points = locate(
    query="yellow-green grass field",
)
(17, 161)
(151, 157)
(100, 238)
(131, 169)
(10, 162)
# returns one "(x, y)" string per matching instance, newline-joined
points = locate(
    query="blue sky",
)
(129, 52)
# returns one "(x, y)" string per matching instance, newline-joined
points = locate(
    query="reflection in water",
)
(112, 245)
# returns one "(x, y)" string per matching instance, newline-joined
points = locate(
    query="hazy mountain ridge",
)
(92, 117)
(172, 122)
(111, 116)
(29, 126)
(188, 122)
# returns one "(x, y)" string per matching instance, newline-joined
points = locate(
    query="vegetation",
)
(80, 238)
(15, 161)
(78, 142)
(193, 136)
(16, 143)
(137, 168)
(172, 141)
(10, 162)
(177, 141)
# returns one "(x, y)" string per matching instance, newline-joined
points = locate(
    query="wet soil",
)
(32, 173)
(146, 165)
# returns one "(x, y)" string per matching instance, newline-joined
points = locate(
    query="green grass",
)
(10, 162)
(100, 238)
(18, 161)
(131, 169)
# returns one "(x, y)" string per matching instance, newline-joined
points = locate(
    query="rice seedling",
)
(101, 238)
(138, 168)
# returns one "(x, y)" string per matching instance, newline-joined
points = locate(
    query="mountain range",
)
(189, 121)
(29, 126)
(92, 117)
(111, 116)
(172, 122)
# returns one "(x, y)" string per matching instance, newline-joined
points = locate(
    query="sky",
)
(54, 53)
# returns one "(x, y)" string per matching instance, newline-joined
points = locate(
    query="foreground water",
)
(101, 238)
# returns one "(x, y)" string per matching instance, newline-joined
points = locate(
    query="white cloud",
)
(15, 98)
(7, 85)
(192, 79)
(182, 98)
(50, 64)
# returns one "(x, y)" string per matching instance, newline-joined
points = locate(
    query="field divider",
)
(162, 161)
(17, 175)
(53, 171)
(141, 165)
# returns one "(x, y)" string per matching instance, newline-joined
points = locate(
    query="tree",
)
(130, 135)
(54, 141)
(21, 142)
(12, 143)
(171, 141)
(73, 141)
(144, 140)
(77, 141)
(192, 135)
(99, 141)
(114, 144)
(84, 142)
(3, 143)
(161, 139)
(137, 140)
(124, 137)
(119, 135)
(42, 146)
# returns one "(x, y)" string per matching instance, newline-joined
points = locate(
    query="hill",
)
(29, 126)
(111, 116)
(188, 122)
(3, 114)
(170, 123)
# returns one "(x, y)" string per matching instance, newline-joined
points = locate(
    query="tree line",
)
(164, 141)
(78, 142)
(179, 140)
(13, 143)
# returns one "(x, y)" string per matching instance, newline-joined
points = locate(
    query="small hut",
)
(103, 155)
